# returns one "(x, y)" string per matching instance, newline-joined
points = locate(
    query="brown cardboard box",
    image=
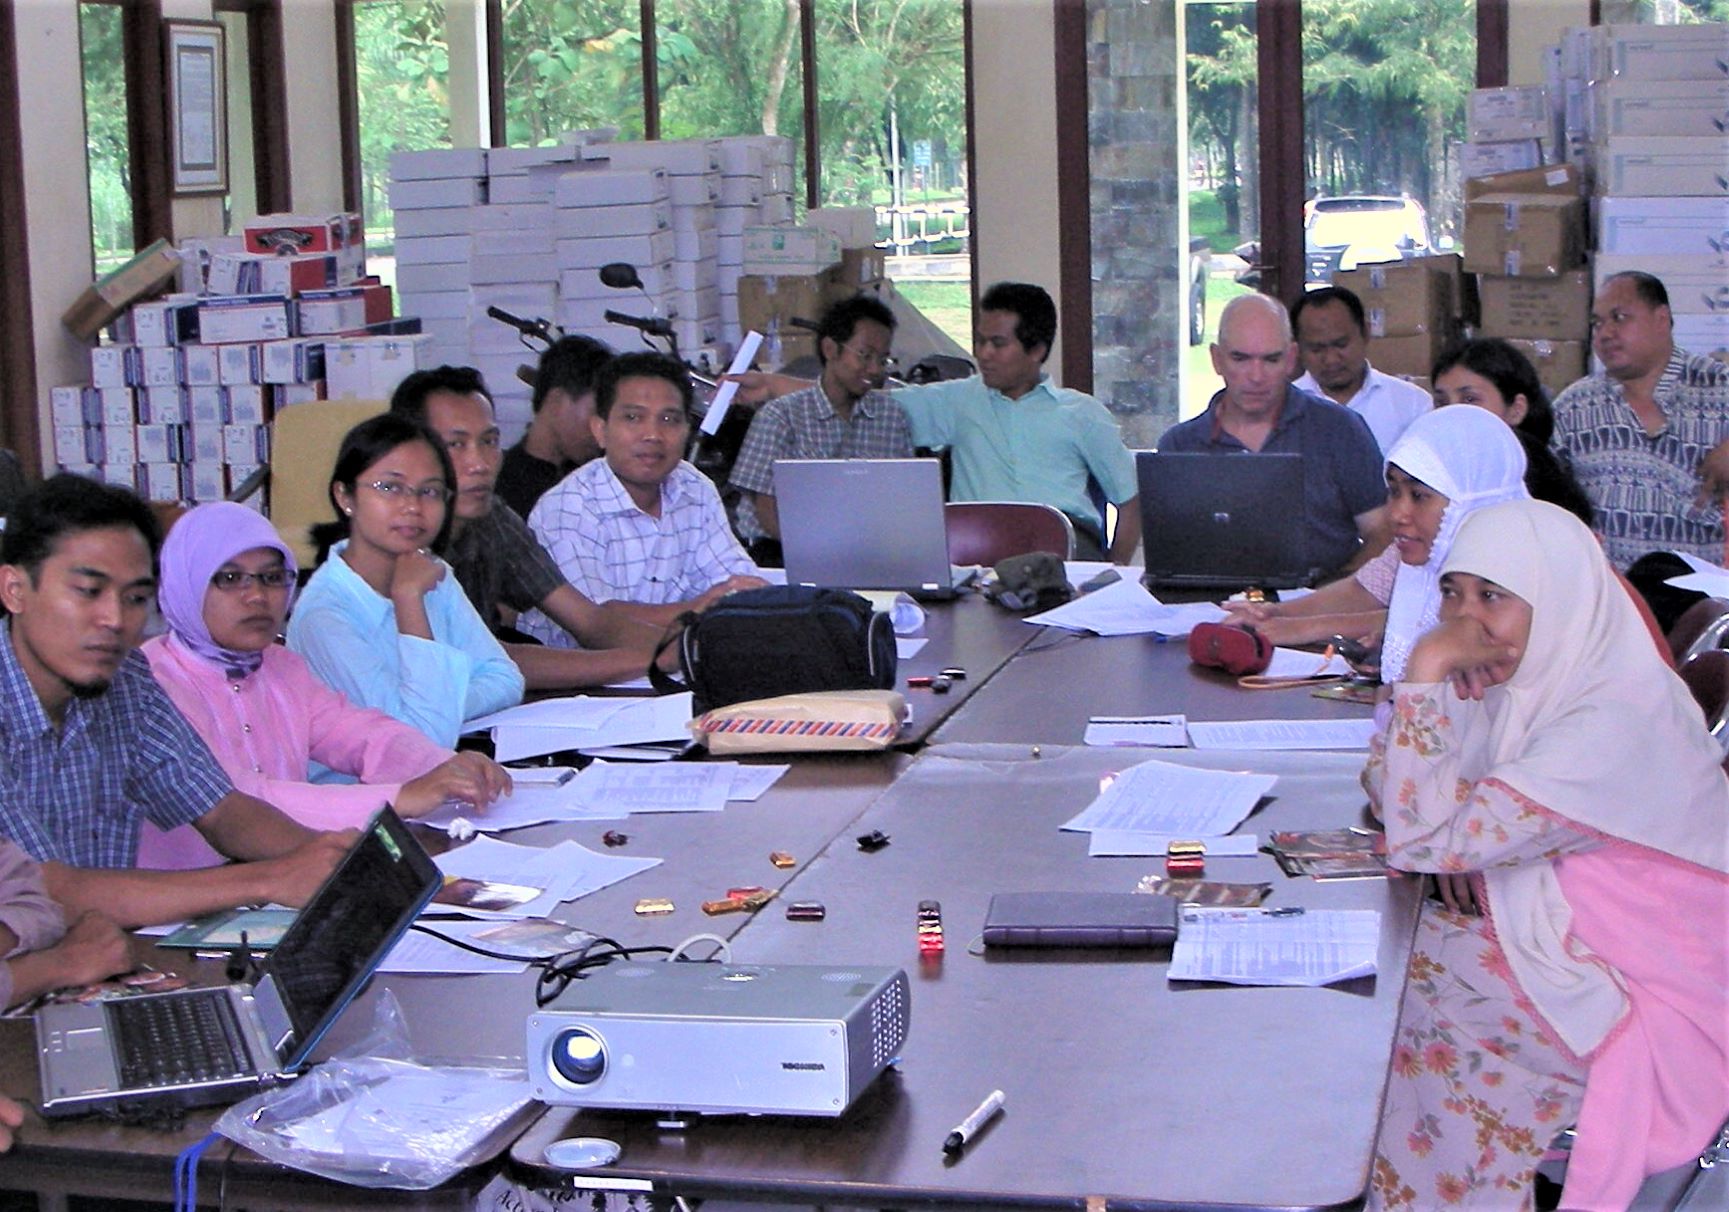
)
(1410, 356)
(858, 268)
(770, 302)
(1557, 308)
(113, 293)
(1562, 180)
(1400, 298)
(1461, 286)
(1524, 235)
(1558, 363)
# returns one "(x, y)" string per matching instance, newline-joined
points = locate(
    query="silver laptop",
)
(864, 524)
(195, 1047)
(1224, 521)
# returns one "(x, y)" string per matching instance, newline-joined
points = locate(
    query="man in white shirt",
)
(1332, 347)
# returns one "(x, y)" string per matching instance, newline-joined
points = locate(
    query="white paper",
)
(529, 804)
(1160, 797)
(656, 787)
(1706, 577)
(1258, 947)
(636, 683)
(634, 722)
(1111, 843)
(1161, 731)
(1177, 621)
(1125, 608)
(1295, 663)
(907, 647)
(398, 1117)
(420, 953)
(570, 711)
(728, 389)
(1282, 734)
(566, 871)
(749, 782)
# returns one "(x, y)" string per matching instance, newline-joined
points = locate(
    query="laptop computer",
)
(195, 1047)
(1223, 520)
(864, 524)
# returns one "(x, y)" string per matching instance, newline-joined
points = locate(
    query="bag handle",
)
(662, 681)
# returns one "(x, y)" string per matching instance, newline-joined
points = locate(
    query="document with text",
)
(1282, 734)
(1161, 797)
(1275, 947)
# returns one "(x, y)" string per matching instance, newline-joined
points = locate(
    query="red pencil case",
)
(1230, 647)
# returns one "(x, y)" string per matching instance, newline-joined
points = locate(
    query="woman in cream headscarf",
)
(1446, 464)
(226, 582)
(1539, 743)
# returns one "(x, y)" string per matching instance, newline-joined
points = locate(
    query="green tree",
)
(568, 66)
(402, 69)
(106, 144)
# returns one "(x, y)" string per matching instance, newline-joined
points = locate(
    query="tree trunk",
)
(778, 70)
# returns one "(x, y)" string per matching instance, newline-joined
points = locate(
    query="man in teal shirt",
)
(1011, 434)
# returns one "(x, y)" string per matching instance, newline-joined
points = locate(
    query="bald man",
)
(1259, 411)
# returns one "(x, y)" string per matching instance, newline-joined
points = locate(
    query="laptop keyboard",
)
(174, 1040)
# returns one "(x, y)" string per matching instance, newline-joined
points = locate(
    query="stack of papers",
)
(1126, 608)
(1274, 947)
(609, 791)
(1160, 731)
(584, 723)
(562, 872)
(1170, 800)
(1283, 734)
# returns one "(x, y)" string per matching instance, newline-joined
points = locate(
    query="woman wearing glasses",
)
(383, 620)
(226, 584)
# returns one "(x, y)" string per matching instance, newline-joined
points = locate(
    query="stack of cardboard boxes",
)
(182, 391)
(792, 275)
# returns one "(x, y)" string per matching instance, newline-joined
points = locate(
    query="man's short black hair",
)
(67, 504)
(1649, 287)
(571, 364)
(841, 320)
(409, 398)
(640, 366)
(1035, 313)
(1323, 295)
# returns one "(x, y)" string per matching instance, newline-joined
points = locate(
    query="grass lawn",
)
(948, 304)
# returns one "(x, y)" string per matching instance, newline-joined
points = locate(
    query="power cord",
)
(556, 971)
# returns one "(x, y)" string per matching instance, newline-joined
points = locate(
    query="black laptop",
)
(1223, 521)
(194, 1047)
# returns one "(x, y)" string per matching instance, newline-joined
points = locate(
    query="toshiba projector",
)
(717, 1039)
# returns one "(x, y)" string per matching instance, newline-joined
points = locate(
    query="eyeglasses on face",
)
(871, 358)
(232, 580)
(396, 490)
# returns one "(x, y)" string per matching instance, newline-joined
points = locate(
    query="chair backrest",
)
(1707, 676)
(1702, 626)
(984, 532)
(304, 440)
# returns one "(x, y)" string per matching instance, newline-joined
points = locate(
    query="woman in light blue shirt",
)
(383, 619)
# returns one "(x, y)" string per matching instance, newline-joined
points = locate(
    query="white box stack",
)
(433, 193)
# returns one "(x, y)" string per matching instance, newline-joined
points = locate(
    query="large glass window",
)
(106, 149)
(402, 72)
(242, 202)
(891, 81)
(567, 66)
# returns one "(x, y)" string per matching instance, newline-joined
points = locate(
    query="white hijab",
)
(1593, 727)
(1471, 457)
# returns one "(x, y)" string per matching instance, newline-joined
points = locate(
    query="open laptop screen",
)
(1224, 520)
(863, 523)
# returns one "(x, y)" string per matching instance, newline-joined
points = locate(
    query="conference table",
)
(1120, 1086)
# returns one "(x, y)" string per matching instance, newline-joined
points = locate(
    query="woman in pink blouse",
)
(226, 582)
(1542, 755)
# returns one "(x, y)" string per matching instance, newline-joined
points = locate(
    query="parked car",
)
(1200, 258)
(1361, 229)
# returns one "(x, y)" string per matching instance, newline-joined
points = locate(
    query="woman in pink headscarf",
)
(226, 582)
(1540, 749)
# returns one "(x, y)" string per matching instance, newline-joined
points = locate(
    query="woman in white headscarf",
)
(1446, 464)
(1540, 746)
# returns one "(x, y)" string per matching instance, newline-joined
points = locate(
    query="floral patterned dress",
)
(1479, 1086)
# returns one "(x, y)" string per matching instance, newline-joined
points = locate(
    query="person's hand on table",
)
(292, 879)
(1455, 893)
(467, 778)
(94, 949)
(1242, 611)
(11, 1117)
(732, 584)
(1460, 651)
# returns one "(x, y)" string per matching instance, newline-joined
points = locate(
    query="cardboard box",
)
(369, 368)
(509, 161)
(584, 187)
(118, 406)
(1672, 227)
(438, 305)
(77, 444)
(116, 366)
(1524, 235)
(222, 320)
(1661, 166)
(285, 234)
(438, 162)
(657, 280)
(1557, 308)
(119, 445)
(201, 365)
(73, 404)
(1659, 107)
(415, 280)
(859, 268)
(244, 405)
(638, 219)
(693, 191)
(445, 191)
(776, 208)
(207, 406)
(1695, 287)
(161, 367)
(853, 226)
(1562, 180)
(1487, 159)
(678, 156)
(141, 277)
(739, 191)
(1400, 298)
(593, 252)
(732, 220)
(240, 444)
(162, 406)
(1663, 52)
(158, 443)
(791, 250)
(769, 303)
(293, 275)
(207, 480)
(239, 363)
(159, 481)
(433, 221)
(494, 269)
(172, 321)
(1411, 354)
(297, 361)
(1704, 334)
(702, 244)
(1515, 112)
(1558, 363)
(432, 250)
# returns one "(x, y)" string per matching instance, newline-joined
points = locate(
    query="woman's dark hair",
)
(1512, 374)
(363, 446)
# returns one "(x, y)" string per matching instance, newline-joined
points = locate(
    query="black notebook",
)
(1080, 919)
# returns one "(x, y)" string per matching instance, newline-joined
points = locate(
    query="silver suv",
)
(1361, 229)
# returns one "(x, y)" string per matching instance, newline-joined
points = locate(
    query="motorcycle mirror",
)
(620, 276)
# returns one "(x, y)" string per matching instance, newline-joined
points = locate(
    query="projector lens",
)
(578, 1056)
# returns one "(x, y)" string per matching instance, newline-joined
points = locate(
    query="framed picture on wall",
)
(197, 106)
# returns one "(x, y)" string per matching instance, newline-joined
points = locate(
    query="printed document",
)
(1160, 797)
(1161, 731)
(1266, 947)
(1283, 734)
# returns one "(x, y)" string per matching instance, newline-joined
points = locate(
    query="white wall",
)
(314, 120)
